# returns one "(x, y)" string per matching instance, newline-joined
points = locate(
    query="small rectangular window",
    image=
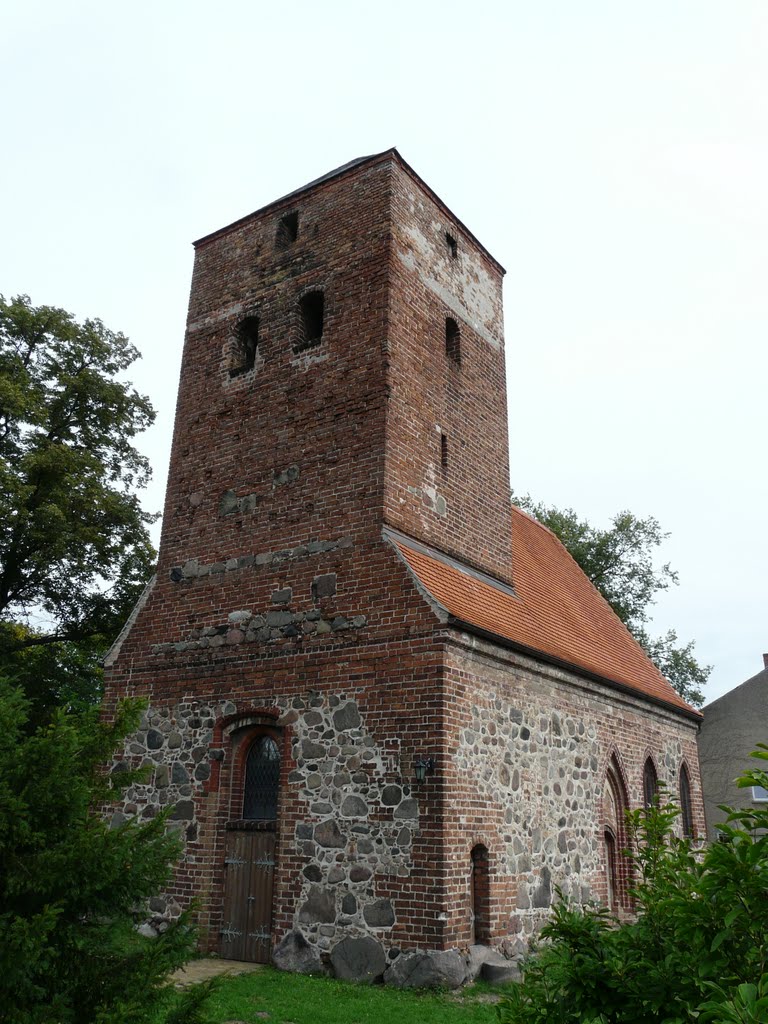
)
(453, 245)
(443, 451)
(759, 794)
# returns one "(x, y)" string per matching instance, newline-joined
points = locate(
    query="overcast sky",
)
(613, 156)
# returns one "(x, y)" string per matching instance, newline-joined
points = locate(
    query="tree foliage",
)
(620, 562)
(698, 950)
(74, 546)
(72, 889)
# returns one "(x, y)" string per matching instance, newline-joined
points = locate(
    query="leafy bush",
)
(72, 889)
(698, 950)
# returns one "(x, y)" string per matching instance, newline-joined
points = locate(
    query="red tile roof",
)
(555, 609)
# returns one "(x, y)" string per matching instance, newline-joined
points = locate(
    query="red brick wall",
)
(431, 394)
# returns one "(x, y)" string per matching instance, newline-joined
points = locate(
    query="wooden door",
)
(246, 933)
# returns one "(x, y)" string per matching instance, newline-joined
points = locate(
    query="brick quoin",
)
(343, 384)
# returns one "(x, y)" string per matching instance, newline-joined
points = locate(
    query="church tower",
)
(343, 370)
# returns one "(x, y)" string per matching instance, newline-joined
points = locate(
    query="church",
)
(385, 705)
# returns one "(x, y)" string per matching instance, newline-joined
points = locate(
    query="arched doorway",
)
(479, 895)
(249, 863)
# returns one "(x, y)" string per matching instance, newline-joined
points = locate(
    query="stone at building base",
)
(498, 971)
(433, 969)
(475, 958)
(295, 954)
(359, 959)
(491, 965)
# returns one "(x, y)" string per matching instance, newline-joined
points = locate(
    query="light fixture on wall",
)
(423, 767)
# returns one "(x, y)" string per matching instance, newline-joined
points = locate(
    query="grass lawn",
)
(275, 996)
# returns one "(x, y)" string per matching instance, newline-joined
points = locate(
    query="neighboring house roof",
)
(734, 698)
(554, 609)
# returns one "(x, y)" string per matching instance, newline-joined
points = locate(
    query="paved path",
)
(210, 967)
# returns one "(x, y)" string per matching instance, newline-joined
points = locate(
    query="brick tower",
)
(334, 597)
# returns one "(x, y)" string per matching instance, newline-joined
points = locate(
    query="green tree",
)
(620, 562)
(698, 950)
(74, 546)
(72, 888)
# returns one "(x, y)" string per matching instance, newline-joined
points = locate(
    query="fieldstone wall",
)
(356, 820)
(358, 827)
(532, 749)
(542, 772)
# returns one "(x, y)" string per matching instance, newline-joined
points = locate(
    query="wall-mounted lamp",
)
(424, 766)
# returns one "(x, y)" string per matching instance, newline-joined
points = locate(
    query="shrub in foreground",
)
(698, 950)
(72, 889)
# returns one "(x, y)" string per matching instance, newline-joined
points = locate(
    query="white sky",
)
(612, 155)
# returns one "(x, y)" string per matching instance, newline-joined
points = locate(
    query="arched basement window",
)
(311, 316)
(245, 346)
(262, 780)
(452, 340)
(686, 812)
(480, 894)
(650, 785)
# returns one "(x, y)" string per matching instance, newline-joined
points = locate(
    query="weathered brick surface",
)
(279, 607)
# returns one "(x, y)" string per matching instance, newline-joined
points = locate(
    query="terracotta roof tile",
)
(555, 609)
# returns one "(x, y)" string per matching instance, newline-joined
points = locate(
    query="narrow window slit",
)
(452, 340)
(444, 451)
(453, 245)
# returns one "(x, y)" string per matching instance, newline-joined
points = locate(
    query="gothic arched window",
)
(615, 838)
(650, 785)
(686, 812)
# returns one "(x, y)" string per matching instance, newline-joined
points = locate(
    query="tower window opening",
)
(452, 340)
(443, 451)
(311, 315)
(287, 230)
(453, 245)
(245, 346)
